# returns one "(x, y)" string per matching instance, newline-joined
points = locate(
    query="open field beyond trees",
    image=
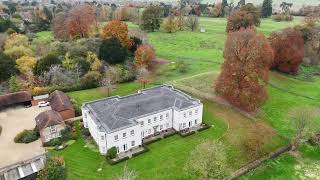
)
(204, 54)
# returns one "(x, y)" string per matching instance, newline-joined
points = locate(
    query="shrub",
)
(282, 17)
(182, 66)
(66, 134)
(27, 136)
(45, 63)
(85, 132)
(144, 56)
(53, 142)
(54, 169)
(136, 42)
(91, 79)
(111, 153)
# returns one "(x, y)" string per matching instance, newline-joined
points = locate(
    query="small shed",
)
(61, 103)
(49, 123)
(17, 98)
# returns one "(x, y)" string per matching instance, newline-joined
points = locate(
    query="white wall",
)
(181, 119)
(122, 141)
(148, 129)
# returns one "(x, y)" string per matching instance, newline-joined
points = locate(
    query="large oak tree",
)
(242, 81)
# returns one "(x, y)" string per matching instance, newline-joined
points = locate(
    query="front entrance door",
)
(125, 147)
(190, 123)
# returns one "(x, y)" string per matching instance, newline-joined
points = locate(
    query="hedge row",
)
(152, 141)
(169, 135)
(187, 134)
(145, 149)
(113, 162)
(47, 90)
(206, 126)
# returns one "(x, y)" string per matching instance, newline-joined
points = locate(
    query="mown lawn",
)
(204, 53)
(305, 166)
(165, 160)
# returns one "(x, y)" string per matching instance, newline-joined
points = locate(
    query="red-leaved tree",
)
(144, 56)
(119, 30)
(244, 74)
(248, 16)
(75, 23)
(288, 46)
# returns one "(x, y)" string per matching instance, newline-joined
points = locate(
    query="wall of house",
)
(125, 139)
(98, 136)
(187, 118)
(155, 123)
(51, 132)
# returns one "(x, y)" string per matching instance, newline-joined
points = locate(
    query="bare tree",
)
(304, 124)
(127, 174)
(111, 77)
(58, 76)
(143, 76)
(192, 23)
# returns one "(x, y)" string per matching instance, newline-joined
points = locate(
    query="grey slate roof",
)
(115, 113)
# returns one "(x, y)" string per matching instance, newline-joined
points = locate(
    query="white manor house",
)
(123, 122)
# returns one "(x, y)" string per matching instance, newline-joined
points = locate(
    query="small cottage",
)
(50, 124)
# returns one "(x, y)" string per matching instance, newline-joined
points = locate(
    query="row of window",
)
(190, 113)
(155, 119)
(124, 135)
(125, 147)
(184, 125)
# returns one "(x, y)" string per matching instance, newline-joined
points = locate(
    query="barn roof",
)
(48, 118)
(60, 101)
(14, 98)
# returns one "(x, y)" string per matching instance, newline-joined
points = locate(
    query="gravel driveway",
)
(14, 120)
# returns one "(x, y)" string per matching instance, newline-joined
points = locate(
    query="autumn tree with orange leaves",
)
(75, 23)
(244, 74)
(119, 30)
(248, 16)
(288, 46)
(144, 56)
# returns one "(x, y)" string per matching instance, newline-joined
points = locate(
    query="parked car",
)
(43, 104)
(28, 106)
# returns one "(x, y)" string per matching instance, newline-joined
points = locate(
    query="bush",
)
(145, 149)
(54, 169)
(91, 79)
(111, 153)
(66, 134)
(182, 66)
(27, 136)
(85, 132)
(113, 162)
(282, 17)
(45, 63)
(53, 142)
(151, 18)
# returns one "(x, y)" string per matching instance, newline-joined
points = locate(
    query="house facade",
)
(123, 122)
(50, 124)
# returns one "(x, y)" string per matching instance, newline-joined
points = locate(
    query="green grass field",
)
(204, 53)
